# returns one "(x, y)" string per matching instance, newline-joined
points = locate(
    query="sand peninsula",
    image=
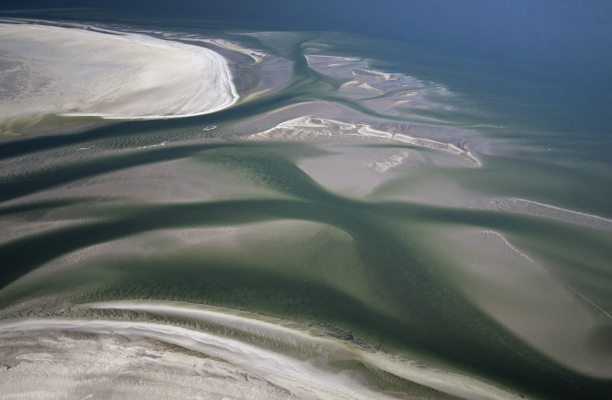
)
(113, 75)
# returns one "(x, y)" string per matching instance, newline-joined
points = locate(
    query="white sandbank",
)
(308, 127)
(257, 56)
(317, 345)
(251, 365)
(298, 378)
(432, 144)
(563, 214)
(296, 375)
(113, 75)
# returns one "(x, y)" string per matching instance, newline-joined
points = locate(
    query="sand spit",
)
(304, 128)
(257, 56)
(77, 72)
(294, 376)
(267, 73)
(523, 206)
(146, 366)
(432, 144)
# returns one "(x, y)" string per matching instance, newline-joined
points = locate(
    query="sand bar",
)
(281, 369)
(113, 75)
(318, 344)
(307, 127)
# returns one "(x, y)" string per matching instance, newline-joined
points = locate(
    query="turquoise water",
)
(411, 267)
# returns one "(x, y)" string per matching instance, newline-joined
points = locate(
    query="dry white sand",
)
(231, 367)
(104, 364)
(77, 72)
(308, 127)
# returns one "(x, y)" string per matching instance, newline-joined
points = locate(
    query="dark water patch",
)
(44, 205)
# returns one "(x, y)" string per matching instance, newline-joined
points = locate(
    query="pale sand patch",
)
(354, 67)
(309, 127)
(523, 206)
(368, 131)
(354, 86)
(517, 291)
(77, 72)
(257, 56)
(270, 72)
(82, 359)
(304, 379)
(390, 162)
(432, 144)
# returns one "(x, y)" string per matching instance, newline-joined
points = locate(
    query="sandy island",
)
(113, 75)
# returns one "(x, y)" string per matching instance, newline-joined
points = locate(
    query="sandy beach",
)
(285, 376)
(113, 75)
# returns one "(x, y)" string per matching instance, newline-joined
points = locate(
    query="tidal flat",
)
(323, 227)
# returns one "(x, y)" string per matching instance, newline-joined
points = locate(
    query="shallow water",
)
(433, 258)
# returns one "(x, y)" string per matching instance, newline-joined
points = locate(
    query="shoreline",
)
(288, 360)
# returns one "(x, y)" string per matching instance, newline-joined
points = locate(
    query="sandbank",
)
(294, 374)
(112, 75)
(308, 127)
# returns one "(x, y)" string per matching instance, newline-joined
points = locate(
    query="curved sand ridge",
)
(289, 375)
(113, 75)
(307, 127)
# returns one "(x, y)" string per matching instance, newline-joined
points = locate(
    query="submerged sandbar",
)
(113, 75)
